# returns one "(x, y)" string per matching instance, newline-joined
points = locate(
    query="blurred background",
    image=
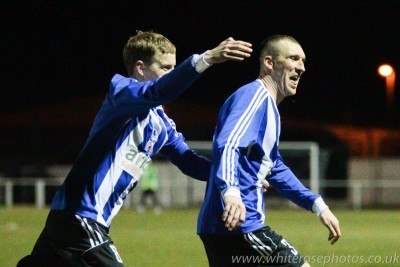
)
(57, 59)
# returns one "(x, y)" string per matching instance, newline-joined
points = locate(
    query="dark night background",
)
(63, 53)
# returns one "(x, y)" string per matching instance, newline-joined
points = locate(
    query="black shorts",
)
(262, 247)
(69, 240)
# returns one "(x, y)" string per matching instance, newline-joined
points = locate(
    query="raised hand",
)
(230, 49)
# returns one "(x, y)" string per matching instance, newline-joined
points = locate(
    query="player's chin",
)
(290, 91)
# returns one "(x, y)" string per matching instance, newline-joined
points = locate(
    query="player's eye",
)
(166, 68)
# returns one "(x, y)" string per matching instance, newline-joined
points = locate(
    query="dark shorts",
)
(69, 240)
(262, 247)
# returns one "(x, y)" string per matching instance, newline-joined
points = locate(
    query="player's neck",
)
(271, 86)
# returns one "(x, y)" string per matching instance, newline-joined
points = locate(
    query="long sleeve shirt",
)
(129, 129)
(246, 151)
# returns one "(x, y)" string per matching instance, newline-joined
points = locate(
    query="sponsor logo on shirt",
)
(133, 161)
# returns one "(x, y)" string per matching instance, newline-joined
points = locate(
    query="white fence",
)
(370, 182)
(357, 190)
(38, 183)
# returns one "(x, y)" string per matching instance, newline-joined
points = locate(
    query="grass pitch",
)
(369, 238)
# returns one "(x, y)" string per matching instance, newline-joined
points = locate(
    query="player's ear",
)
(139, 68)
(268, 62)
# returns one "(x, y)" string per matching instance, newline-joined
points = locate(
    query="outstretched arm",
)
(134, 97)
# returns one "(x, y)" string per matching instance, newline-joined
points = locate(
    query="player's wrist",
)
(231, 191)
(208, 58)
(200, 62)
(319, 206)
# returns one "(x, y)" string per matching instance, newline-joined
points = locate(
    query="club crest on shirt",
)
(155, 122)
(153, 139)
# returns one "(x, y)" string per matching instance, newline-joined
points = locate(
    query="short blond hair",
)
(143, 46)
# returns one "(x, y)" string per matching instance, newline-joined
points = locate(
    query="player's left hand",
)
(331, 222)
(265, 185)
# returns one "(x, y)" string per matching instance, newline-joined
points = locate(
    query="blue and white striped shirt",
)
(130, 128)
(245, 151)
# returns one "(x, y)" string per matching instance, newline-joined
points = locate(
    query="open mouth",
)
(294, 80)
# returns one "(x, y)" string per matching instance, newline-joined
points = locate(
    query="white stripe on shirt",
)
(228, 157)
(114, 172)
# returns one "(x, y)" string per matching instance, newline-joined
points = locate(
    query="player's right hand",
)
(234, 213)
(229, 49)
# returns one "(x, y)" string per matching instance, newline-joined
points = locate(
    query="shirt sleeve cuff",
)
(231, 191)
(200, 63)
(319, 206)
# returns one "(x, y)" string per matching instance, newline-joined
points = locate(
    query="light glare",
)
(385, 70)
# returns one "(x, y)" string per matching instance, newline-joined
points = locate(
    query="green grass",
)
(170, 239)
